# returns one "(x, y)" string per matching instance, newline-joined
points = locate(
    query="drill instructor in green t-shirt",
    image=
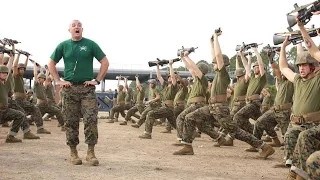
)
(79, 88)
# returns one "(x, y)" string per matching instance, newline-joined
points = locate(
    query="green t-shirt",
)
(181, 94)
(40, 91)
(306, 95)
(169, 92)
(199, 87)
(121, 96)
(3, 94)
(18, 84)
(140, 95)
(153, 94)
(220, 82)
(266, 100)
(78, 58)
(256, 84)
(50, 92)
(240, 89)
(10, 83)
(128, 97)
(284, 93)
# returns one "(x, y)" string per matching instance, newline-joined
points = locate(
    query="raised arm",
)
(217, 51)
(284, 67)
(246, 65)
(138, 84)
(186, 63)
(172, 75)
(192, 65)
(159, 77)
(259, 60)
(274, 66)
(15, 65)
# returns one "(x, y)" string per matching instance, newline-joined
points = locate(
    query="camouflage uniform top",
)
(256, 84)
(240, 89)
(169, 91)
(50, 92)
(181, 94)
(128, 97)
(18, 84)
(199, 87)
(10, 83)
(140, 95)
(220, 82)
(3, 94)
(40, 91)
(266, 100)
(306, 95)
(121, 96)
(284, 93)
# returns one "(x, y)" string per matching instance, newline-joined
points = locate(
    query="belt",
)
(218, 99)
(197, 100)
(77, 83)
(240, 98)
(179, 103)
(168, 103)
(282, 107)
(121, 102)
(313, 117)
(41, 101)
(255, 97)
(139, 102)
(18, 95)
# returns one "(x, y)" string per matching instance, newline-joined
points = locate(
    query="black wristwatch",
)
(97, 81)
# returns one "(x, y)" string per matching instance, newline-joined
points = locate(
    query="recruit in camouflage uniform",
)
(152, 103)
(265, 105)
(280, 112)
(308, 143)
(139, 105)
(167, 108)
(120, 106)
(179, 100)
(197, 95)
(219, 108)
(79, 97)
(42, 101)
(20, 96)
(12, 104)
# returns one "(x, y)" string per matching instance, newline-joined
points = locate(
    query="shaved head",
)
(75, 29)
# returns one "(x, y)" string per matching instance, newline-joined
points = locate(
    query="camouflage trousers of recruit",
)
(291, 137)
(145, 112)
(50, 109)
(31, 109)
(221, 113)
(313, 166)
(52, 103)
(132, 111)
(177, 110)
(119, 108)
(182, 116)
(161, 112)
(202, 119)
(12, 104)
(8, 114)
(236, 107)
(269, 120)
(77, 99)
(250, 110)
(308, 142)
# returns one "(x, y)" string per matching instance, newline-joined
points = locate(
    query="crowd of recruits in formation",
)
(296, 108)
(15, 102)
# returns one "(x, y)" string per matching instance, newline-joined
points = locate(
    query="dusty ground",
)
(123, 155)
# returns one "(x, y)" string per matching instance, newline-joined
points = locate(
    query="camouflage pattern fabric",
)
(176, 111)
(161, 112)
(8, 114)
(117, 109)
(251, 110)
(313, 166)
(12, 104)
(145, 113)
(31, 109)
(132, 111)
(47, 108)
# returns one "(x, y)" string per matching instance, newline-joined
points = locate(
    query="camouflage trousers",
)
(250, 110)
(115, 110)
(264, 108)
(12, 104)
(313, 166)
(31, 109)
(202, 119)
(291, 137)
(50, 109)
(52, 103)
(8, 114)
(221, 113)
(145, 112)
(269, 120)
(78, 99)
(236, 107)
(161, 112)
(308, 142)
(132, 111)
(176, 111)
(182, 116)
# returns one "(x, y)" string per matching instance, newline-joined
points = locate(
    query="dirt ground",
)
(123, 155)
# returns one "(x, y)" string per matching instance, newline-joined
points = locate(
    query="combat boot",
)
(275, 142)
(252, 149)
(6, 124)
(220, 142)
(186, 150)
(30, 135)
(135, 125)
(75, 160)
(124, 123)
(281, 165)
(229, 141)
(267, 150)
(266, 139)
(12, 139)
(166, 131)
(145, 136)
(133, 121)
(91, 158)
(43, 131)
